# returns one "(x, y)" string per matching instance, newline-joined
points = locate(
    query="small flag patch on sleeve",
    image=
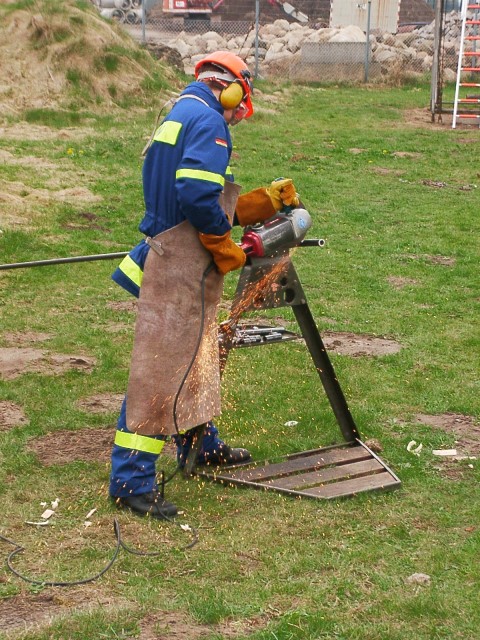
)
(221, 142)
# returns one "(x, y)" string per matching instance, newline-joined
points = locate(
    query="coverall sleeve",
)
(201, 175)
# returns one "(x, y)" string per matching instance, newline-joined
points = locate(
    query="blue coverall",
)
(183, 175)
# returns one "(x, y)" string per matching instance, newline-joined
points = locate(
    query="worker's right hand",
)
(227, 255)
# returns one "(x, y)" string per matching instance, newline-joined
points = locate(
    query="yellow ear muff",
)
(231, 96)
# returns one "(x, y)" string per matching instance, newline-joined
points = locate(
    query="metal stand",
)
(329, 472)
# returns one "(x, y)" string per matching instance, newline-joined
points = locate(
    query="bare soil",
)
(20, 338)
(31, 612)
(466, 430)
(101, 403)
(11, 415)
(28, 612)
(86, 445)
(399, 282)
(166, 625)
(62, 447)
(355, 345)
(15, 361)
(124, 305)
(444, 261)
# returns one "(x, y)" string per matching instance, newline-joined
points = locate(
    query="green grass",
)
(286, 569)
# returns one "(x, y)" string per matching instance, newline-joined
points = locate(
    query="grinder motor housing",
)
(283, 231)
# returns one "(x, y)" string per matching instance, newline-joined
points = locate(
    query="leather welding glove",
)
(226, 254)
(282, 193)
(262, 203)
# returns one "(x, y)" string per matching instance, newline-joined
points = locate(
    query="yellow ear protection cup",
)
(231, 96)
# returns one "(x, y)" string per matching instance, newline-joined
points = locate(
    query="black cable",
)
(119, 544)
(47, 583)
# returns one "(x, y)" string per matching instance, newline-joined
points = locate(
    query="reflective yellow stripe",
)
(138, 443)
(168, 132)
(197, 174)
(228, 172)
(131, 270)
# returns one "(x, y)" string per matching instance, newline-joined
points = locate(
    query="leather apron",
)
(175, 373)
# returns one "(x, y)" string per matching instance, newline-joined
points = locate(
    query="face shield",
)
(241, 112)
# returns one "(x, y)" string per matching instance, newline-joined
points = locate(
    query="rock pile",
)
(282, 46)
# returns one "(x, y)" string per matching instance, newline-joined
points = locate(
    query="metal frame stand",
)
(329, 472)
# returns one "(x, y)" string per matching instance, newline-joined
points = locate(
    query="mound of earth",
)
(57, 55)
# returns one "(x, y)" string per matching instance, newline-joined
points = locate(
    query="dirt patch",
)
(87, 220)
(467, 140)
(23, 130)
(406, 154)
(19, 203)
(423, 118)
(178, 626)
(17, 338)
(11, 219)
(444, 261)
(26, 161)
(27, 195)
(62, 447)
(466, 430)
(11, 415)
(351, 344)
(15, 361)
(384, 171)
(102, 403)
(398, 282)
(117, 327)
(24, 613)
(171, 626)
(124, 305)
(437, 184)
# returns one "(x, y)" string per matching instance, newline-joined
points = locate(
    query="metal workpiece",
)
(55, 261)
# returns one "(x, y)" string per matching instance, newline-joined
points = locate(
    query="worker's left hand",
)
(263, 203)
(282, 193)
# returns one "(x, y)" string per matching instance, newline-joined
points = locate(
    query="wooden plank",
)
(353, 486)
(342, 472)
(310, 452)
(311, 463)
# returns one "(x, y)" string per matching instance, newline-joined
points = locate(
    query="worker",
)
(176, 271)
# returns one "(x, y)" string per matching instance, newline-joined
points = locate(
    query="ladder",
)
(467, 107)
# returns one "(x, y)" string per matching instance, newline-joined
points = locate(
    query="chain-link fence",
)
(304, 40)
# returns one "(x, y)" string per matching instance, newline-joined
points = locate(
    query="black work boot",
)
(214, 451)
(150, 503)
(224, 454)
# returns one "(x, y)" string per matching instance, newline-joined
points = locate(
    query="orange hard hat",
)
(227, 61)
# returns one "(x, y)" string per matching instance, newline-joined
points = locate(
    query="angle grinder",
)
(285, 230)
